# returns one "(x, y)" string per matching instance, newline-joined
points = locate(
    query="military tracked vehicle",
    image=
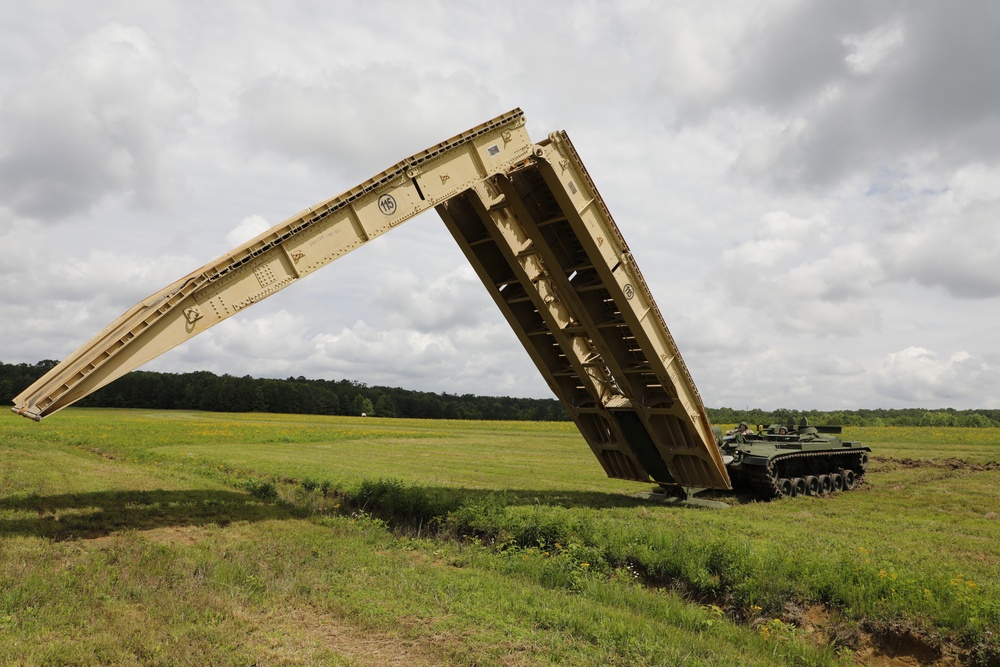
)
(790, 460)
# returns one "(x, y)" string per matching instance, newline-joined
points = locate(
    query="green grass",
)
(129, 537)
(976, 445)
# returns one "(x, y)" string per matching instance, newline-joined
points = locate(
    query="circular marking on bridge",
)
(387, 204)
(629, 291)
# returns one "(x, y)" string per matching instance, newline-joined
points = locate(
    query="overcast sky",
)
(812, 189)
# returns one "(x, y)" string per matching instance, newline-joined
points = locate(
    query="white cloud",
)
(462, 360)
(456, 298)
(795, 273)
(919, 376)
(248, 228)
(273, 345)
(948, 239)
(39, 273)
(870, 50)
(775, 376)
(858, 86)
(961, 256)
(360, 118)
(95, 123)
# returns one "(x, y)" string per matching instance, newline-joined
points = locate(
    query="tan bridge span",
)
(532, 224)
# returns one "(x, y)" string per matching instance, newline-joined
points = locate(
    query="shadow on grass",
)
(97, 514)
(90, 515)
(568, 499)
(443, 499)
(397, 502)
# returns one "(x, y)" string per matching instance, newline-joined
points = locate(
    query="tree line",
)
(203, 390)
(876, 417)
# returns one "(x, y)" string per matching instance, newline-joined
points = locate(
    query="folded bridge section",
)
(532, 224)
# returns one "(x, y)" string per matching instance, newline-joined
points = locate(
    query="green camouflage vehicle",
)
(789, 460)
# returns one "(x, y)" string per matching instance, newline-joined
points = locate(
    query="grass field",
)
(135, 537)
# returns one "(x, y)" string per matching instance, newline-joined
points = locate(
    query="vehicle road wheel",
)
(848, 480)
(837, 482)
(825, 484)
(798, 487)
(812, 485)
(784, 487)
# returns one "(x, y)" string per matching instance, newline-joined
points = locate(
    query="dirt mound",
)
(944, 464)
(890, 646)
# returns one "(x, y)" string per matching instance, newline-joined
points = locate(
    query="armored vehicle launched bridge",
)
(532, 224)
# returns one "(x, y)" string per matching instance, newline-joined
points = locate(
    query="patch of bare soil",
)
(186, 535)
(890, 462)
(314, 627)
(893, 646)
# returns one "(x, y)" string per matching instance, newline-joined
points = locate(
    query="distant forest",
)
(226, 393)
(202, 390)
